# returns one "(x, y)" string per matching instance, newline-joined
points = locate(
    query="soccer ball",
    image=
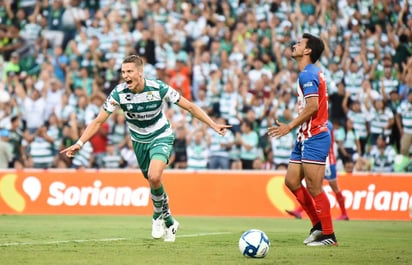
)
(254, 243)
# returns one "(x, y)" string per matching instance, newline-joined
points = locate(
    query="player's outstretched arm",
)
(90, 130)
(198, 113)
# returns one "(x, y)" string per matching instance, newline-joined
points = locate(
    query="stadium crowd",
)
(61, 58)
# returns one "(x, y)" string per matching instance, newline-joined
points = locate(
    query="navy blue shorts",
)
(313, 150)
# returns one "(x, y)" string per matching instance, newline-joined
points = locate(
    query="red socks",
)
(341, 200)
(306, 201)
(323, 212)
(317, 208)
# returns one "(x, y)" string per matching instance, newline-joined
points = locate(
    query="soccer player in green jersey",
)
(142, 101)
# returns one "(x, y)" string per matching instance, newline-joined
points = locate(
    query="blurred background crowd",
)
(60, 59)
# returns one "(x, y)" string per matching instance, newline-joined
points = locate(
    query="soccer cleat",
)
(324, 240)
(158, 229)
(343, 217)
(170, 235)
(313, 236)
(295, 214)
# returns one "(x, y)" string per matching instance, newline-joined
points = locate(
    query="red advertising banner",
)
(208, 193)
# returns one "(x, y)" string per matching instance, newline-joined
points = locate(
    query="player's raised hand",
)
(71, 150)
(280, 129)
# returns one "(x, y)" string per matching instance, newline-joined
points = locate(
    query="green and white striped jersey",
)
(41, 151)
(144, 110)
(197, 155)
(360, 122)
(379, 120)
(405, 110)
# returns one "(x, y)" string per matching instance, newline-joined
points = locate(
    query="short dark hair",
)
(316, 45)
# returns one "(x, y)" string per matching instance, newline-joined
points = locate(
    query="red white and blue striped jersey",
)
(311, 83)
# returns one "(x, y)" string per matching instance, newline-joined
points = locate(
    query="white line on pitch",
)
(96, 240)
(60, 242)
(205, 234)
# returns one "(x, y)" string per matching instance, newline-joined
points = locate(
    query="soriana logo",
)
(48, 192)
(96, 195)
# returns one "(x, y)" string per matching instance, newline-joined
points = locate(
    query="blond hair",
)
(134, 59)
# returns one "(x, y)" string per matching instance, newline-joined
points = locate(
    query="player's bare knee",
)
(292, 184)
(314, 190)
(155, 181)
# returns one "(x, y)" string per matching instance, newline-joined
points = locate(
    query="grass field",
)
(120, 240)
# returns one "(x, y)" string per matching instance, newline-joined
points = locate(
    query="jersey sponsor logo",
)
(151, 106)
(308, 84)
(139, 116)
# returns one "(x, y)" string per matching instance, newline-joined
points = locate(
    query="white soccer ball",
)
(254, 243)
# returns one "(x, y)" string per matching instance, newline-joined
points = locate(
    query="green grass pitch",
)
(121, 240)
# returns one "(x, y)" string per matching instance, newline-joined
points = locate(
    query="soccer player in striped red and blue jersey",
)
(332, 178)
(308, 158)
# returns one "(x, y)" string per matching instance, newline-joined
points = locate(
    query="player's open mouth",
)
(129, 82)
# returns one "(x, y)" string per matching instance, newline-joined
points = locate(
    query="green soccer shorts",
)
(159, 149)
